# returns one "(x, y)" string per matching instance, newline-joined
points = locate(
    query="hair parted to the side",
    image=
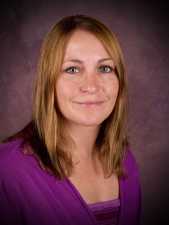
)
(112, 138)
(49, 136)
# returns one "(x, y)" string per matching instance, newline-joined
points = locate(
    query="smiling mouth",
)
(90, 103)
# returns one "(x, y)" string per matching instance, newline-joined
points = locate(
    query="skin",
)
(87, 87)
(87, 90)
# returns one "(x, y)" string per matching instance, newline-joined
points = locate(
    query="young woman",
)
(73, 164)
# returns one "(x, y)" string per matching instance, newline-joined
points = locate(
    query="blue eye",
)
(105, 69)
(72, 70)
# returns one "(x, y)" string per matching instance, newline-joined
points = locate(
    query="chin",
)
(87, 119)
(89, 122)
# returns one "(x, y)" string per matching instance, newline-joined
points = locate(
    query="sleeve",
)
(139, 205)
(9, 189)
(9, 206)
(132, 189)
(136, 177)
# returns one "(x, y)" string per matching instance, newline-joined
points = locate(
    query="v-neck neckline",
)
(85, 204)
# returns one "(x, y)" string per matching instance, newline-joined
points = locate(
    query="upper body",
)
(78, 133)
(31, 195)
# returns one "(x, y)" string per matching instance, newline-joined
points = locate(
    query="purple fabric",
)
(107, 212)
(30, 195)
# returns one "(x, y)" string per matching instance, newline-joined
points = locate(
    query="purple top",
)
(30, 195)
(107, 212)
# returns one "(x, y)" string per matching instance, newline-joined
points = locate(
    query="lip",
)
(90, 103)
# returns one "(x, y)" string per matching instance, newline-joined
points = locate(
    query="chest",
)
(95, 187)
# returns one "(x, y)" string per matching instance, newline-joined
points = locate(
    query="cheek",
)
(113, 89)
(64, 91)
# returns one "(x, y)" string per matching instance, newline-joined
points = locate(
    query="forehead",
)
(84, 43)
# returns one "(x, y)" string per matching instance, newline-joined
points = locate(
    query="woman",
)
(72, 164)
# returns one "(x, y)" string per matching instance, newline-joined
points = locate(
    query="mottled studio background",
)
(142, 29)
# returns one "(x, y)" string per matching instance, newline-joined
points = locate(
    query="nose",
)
(90, 83)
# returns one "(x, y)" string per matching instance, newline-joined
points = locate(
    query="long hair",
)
(48, 137)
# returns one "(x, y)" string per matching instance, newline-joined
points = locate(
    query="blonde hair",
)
(112, 139)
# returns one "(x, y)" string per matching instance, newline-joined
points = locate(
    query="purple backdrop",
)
(143, 33)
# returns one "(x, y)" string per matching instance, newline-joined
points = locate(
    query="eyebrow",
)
(81, 62)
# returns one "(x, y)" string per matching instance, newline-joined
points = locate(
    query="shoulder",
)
(19, 173)
(10, 159)
(9, 151)
(129, 161)
(10, 170)
(13, 162)
(131, 188)
(131, 179)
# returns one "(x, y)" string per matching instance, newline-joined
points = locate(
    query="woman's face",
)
(87, 87)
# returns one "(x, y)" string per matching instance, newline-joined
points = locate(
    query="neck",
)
(84, 138)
